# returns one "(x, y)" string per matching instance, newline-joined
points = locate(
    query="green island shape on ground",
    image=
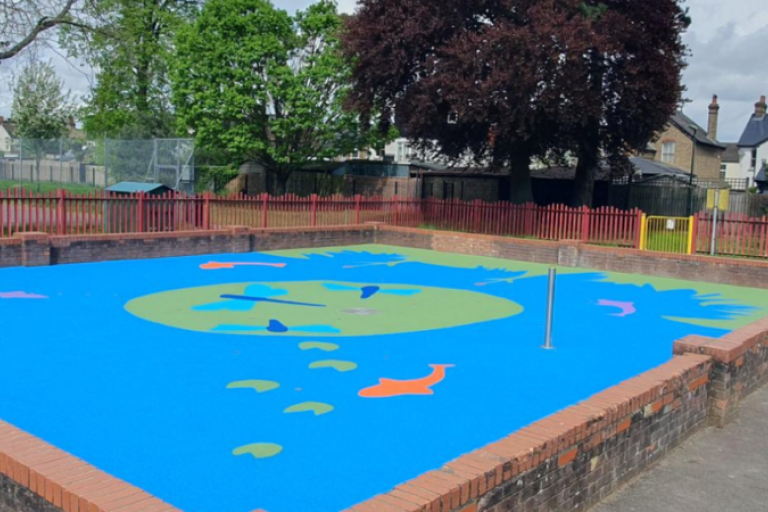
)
(258, 450)
(317, 407)
(259, 385)
(339, 366)
(431, 308)
(320, 345)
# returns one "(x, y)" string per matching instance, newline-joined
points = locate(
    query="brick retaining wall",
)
(571, 253)
(35, 249)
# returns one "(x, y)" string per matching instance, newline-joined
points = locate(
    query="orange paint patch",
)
(215, 265)
(391, 387)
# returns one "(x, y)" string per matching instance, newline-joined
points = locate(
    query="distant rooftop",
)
(731, 153)
(755, 133)
(685, 123)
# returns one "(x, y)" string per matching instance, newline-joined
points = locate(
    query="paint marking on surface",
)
(390, 387)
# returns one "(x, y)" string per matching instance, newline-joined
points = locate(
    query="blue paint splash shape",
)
(237, 304)
(276, 326)
(273, 301)
(369, 290)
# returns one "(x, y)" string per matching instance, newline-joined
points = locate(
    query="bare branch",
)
(20, 24)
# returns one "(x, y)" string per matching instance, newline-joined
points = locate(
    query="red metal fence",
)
(62, 213)
(736, 234)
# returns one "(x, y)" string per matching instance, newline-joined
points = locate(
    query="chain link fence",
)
(80, 164)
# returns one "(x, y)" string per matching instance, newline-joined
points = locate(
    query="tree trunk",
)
(520, 189)
(586, 170)
(277, 182)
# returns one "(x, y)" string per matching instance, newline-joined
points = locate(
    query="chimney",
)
(71, 122)
(714, 108)
(760, 107)
(2, 119)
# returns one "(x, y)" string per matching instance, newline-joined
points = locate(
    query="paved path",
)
(717, 470)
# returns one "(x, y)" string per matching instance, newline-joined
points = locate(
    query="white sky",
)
(728, 41)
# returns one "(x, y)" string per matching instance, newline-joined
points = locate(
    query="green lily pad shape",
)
(339, 366)
(259, 385)
(325, 347)
(317, 407)
(259, 450)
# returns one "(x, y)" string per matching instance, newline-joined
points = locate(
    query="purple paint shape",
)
(627, 308)
(21, 295)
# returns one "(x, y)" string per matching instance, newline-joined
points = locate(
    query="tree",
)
(130, 45)
(25, 21)
(629, 84)
(265, 86)
(483, 80)
(40, 107)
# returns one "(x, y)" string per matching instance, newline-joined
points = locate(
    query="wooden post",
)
(585, 218)
(264, 206)
(141, 222)
(62, 212)
(207, 210)
(313, 214)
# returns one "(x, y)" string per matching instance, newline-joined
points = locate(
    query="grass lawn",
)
(45, 187)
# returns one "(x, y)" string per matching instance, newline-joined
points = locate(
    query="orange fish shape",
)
(391, 387)
(215, 265)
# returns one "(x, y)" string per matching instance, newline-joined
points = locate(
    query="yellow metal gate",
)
(667, 234)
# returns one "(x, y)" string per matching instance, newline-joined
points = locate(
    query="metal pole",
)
(550, 309)
(693, 166)
(714, 224)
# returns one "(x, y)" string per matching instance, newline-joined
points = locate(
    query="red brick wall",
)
(32, 249)
(539, 251)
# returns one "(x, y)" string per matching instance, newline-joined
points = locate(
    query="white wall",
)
(734, 171)
(745, 161)
(5, 140)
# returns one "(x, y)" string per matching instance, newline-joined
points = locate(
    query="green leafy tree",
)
(265, 86)
(40, 109)
(130, 44)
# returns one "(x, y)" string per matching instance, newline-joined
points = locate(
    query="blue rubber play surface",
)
(313, 380)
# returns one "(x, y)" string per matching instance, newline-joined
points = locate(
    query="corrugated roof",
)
(755, 133)
(650, 167)
(684, 122)
(133, 187)
(731, 153)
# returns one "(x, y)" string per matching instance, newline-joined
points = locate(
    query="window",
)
(668, 152)
(753, 164)
(722, 172)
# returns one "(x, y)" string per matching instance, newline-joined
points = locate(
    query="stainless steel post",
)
(713, 240)
(550, 308)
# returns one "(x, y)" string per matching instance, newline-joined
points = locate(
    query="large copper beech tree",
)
(507, 81)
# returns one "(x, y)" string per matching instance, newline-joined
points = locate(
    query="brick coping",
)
(614, 251)
(65, 481)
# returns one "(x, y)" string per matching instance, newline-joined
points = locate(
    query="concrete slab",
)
(714, 471)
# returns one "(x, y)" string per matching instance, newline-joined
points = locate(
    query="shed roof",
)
(133, 187)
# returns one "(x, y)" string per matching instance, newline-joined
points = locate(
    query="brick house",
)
(674, 146)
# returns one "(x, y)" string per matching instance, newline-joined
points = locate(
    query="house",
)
(674, 146)
(753, 144)
(6, 135)
(730, 168)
